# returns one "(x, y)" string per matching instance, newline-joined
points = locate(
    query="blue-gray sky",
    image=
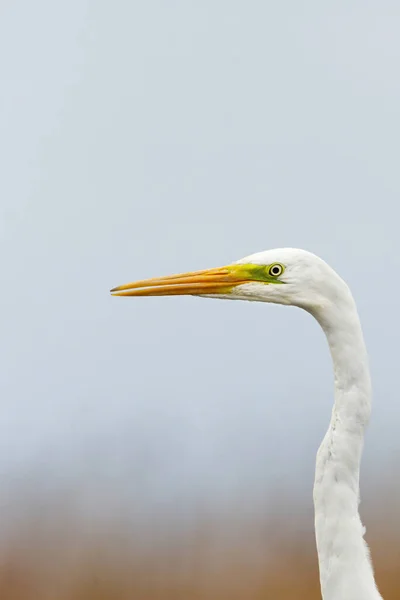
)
(143, 138)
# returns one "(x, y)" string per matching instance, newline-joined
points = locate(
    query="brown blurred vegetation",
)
(220, 559)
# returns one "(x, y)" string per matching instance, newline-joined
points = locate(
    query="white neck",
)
(344, 563)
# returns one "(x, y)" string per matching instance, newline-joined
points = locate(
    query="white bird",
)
(299, 278)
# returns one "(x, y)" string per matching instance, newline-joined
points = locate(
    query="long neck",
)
(344, 562)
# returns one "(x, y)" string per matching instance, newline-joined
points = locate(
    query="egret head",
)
(282, 276)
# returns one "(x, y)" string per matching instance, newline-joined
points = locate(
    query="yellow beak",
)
(211, 281)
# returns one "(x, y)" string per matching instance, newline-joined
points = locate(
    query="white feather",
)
(344, 561)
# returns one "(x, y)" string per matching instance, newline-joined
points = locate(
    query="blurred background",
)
(165, 447)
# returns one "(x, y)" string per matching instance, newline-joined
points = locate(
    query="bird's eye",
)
(275, 270)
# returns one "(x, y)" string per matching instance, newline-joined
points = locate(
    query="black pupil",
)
(275, 270)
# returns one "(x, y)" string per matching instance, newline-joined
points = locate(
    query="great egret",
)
(299, 278)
